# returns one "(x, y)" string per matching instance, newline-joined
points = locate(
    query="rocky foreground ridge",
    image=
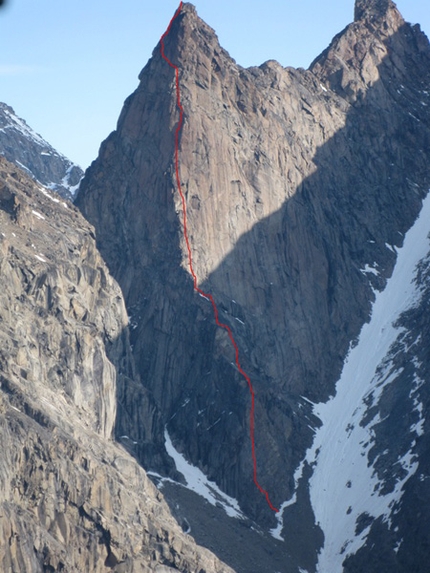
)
(70, 498)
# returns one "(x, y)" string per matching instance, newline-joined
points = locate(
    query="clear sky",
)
(66, 67)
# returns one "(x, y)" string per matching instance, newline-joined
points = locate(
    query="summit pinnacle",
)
(371, 8)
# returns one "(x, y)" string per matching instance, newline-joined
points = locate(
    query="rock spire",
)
(371, 9)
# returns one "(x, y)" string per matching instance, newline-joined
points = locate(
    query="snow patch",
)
(418, 428)
(20, 125)
(390, 247)
(24, 167)
(128, 438)
(45, 192)
(65, 182)
(38, 215)
(199, 483)
(276, 532)
(369, 269)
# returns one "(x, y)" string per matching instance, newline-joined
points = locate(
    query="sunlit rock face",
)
(70, 498)
(300, 186)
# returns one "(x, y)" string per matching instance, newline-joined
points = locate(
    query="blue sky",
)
(67, 67)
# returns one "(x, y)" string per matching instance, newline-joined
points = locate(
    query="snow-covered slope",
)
(28, 150)
(197, 481)
(366, 449)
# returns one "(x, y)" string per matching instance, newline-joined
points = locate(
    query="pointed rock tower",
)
(373, 9)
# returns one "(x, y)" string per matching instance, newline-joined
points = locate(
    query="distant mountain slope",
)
(27, 149)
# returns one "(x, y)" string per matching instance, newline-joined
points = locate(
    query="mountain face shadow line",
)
(313, 249)
(364, 195)
(362, 173)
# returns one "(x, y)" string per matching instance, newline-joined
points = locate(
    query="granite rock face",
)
(71, 499)
(299, 187)
(23, 146)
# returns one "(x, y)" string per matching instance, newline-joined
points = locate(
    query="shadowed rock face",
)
(71, 500)
(297, 182)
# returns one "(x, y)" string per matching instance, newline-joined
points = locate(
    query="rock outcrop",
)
(299, 187)
(28, 150)
(70, 498)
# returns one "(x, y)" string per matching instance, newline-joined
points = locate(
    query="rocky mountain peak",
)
(189, 40)
(376, 11)
(188, 8)
(365, 8)
(378, 51)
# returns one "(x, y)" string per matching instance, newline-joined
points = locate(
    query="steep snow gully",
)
(344, 484)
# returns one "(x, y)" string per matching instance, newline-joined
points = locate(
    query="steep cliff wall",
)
(298, 185)
(71, 500)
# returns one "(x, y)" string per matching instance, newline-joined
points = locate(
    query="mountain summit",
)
(371, 9)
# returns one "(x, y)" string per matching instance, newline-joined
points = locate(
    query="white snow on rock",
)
(16, 124)
(20, 125)
(26, 169)
(51, 197)
(65, 182)
(369, 269)
(199, 483)
(276, 532)
(343, 486)
(38, 215)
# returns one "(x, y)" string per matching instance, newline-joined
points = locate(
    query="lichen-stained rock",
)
(71, 500)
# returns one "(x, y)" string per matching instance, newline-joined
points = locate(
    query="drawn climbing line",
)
(208, 296)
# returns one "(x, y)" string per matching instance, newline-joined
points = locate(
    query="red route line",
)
(190, 260)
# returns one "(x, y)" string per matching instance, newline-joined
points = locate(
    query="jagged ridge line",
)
(208, 296)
